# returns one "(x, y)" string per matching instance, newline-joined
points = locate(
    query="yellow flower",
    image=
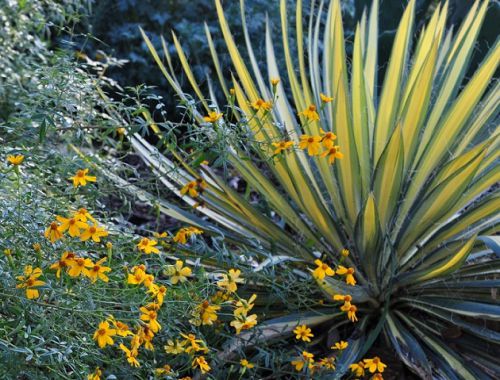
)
(346, 299)
(81, 178)
(93, 231)
(146, 336)
(96, 375)
(327, 138)
(178, 272)
(325, 98)
(201, 363)
(30, 281)
(275, 81)
(348, 272)
(261, 104)
(246, 364)
(190, 188)
(97, 271)
(73, 225)
(184, 233)
(131, 359)
(174, 347)
(52, 232)
(192, 344)
(310, 113)
(159, 292)
(137, 276)
(328, 363)
(212, 117)
(282, 146)
(78, 266)
(345, 252)
(339, 297)
(358, 368)
(104, 335)
(351, 313)
(148, 280)
(374, 365)
(306, 359)
(377, 376)
(83, 215)
(311, 143)
(342, 345)
(15, 160)
(109, 245)
(7, 252)
(165, 370)
(206, 313)
(322, 270)
(148, 246)
(230, 280)
(66, 260)
(303, 332)
(150, 316)
(332, 153)
(121, 328)
(243, 322)
(243, 306)
(37, 247)
(232, 91)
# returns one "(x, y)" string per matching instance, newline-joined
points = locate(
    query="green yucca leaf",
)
(390, 97)
(415, 188)
(368, 236)
(408, 348)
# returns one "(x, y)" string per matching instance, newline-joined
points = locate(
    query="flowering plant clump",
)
(138, 295)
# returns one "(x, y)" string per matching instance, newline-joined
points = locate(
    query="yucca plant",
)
(412, 193)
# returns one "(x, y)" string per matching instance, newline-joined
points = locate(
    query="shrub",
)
(408, 196)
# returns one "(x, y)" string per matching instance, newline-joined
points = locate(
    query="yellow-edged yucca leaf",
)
(391, 90)
(415, 187)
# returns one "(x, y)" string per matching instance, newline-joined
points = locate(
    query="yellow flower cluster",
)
(243, 321)
(190, 345)
(347, 307)
(204, 314)
(76, 266)
(322, 270)
(306, 360)
(194, 189)
(313, 145)
(148, 324)
(373, 365)
(185, 233)
(148, 245)
(76, 226)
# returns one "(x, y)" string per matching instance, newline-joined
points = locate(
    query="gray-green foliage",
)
(26, 31)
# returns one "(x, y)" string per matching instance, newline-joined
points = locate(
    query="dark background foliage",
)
(115, 25)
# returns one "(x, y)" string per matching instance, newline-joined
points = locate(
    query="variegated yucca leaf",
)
(415, 188)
